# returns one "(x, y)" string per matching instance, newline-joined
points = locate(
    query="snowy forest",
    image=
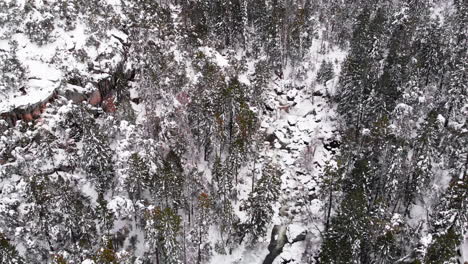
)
(233, 131)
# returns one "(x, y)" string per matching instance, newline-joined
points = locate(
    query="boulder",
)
(95, 98)
(28, 117)
(37, 112)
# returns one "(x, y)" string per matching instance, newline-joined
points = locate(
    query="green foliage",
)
(106, 254)
(246, 122)
(349, 229)
(259, 205)
(138, 176)
(8, 253)
(162, 228)
(170, 180)
(97, 157)
(325, 72)
(444, 248)
(58, 259)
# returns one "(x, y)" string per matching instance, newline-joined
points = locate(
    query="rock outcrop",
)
(106, 91)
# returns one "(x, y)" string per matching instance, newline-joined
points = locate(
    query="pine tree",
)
(97, 158)
(354, 87)
(8, 253)
(429, 49)
(325, 72)
(259, 205)
(162, 229)
(138, 175)
(77, 221)
(171, 181)
(106, 254)
(13, 73)
(426, 154)
(448, 227)
(274, 29)
(104, 216)
(348, 231)
(203, 221)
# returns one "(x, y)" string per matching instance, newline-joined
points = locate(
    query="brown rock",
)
(95, 98)
(108, 105)
(37, 112)
(28, 117)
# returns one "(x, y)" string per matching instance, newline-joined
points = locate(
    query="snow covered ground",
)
(301, 122)
(47, 65)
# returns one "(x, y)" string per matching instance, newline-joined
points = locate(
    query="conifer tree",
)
(354, 91)
(162, 229)
(97, 158)
(348, 231)
(325, 72)
(8, 253)
(138, 176)
(259, 203)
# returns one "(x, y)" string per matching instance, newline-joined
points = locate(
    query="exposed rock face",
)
(102, 96)
(26, 113)
(95, 98)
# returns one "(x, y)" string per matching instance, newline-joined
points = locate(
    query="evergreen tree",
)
(77, 221)
(8, 253)
(325, 72)
(138, 176)
(166, 184)
(274, 29)
(396, 67)
(354, 90)
(203, 221)
(105, 216)
(348, 233)
(426, 154)
(97, 158)
(448, 228)
(259, 204)
(162, 229)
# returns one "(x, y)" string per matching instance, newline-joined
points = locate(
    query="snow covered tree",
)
(325, 72)
(348, 231)
(162, 229)
(138, 176)
(104, 215)
(106, 254)
(394, 71)
(13, 73)
(259, 204)
(354, 90)
(170, 181)
(426, 156)
(201, 248)
(449, 225)
(274, 34)
(38, 24)
(223, 180)
(77, 221)
(96, 158)
(8, 253)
